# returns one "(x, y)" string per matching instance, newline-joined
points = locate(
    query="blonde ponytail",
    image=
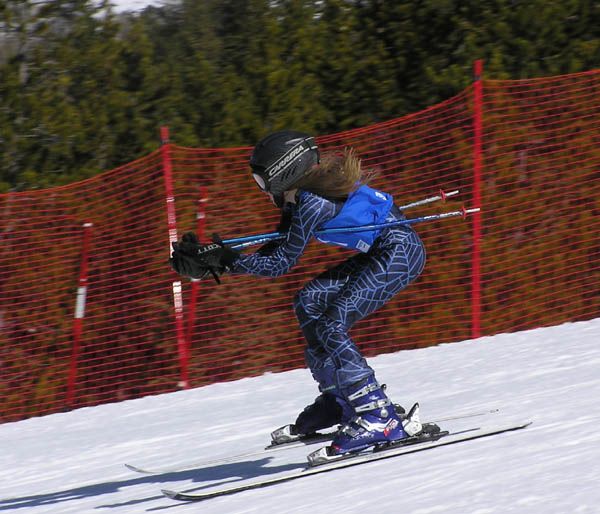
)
(335, 177)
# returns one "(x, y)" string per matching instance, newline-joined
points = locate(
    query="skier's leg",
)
(389, 270)
(310, 304)
(330, 408)
(330, 304)
(383, 273)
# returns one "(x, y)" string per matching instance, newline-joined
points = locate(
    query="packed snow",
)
(74, 462)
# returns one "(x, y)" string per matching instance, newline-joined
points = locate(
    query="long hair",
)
(336, 176)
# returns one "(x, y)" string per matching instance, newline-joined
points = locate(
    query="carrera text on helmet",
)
(279, 166)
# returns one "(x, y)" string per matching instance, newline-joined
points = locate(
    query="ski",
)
(353, 460)
(430, 432)
(306, 441)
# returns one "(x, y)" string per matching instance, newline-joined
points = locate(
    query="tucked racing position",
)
(317, 192)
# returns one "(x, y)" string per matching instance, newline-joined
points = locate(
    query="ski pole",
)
(441, 196)
(243, 242)
(263, 238)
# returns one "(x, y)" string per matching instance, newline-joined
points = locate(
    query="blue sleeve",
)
(310, 213)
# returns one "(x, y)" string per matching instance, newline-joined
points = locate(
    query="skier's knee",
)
(304, 306)
(328, 328)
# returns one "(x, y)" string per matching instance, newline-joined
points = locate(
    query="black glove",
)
(192, 259)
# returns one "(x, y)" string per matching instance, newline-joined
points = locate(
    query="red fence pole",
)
(79, 313)
(200, 219)
(477, 163)
(172, 227)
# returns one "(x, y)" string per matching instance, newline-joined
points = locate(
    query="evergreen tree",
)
(294, 90)
(83, 90)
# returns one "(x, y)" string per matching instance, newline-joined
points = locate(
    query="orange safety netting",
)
(538, 251)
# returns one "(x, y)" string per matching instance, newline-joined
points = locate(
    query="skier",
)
(315, 193)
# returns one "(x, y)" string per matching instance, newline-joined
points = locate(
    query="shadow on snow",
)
(216, 475)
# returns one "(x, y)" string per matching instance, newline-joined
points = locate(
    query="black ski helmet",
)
(281, 159)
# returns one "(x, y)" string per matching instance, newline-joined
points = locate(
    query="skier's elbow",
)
(279, 271)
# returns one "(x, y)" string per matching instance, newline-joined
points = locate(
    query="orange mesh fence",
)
(127, 344)
(540, 246)
(538, 251)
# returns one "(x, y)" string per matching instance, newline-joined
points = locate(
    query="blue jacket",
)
(309, 214)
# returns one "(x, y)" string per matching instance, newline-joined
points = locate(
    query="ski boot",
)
(326, 411)
(361, 434)
(376, 420)
(375, 423)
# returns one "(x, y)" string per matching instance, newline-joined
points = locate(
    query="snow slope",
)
(73, 462)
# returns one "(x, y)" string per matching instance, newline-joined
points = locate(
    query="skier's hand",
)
(192, 259)
(182, 258)
(185, 265)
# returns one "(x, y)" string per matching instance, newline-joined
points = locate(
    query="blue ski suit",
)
(331, 303)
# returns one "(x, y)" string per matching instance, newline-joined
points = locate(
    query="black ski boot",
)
(326, 411)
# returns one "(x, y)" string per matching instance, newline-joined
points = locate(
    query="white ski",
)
(353, 460)
(319, 438)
